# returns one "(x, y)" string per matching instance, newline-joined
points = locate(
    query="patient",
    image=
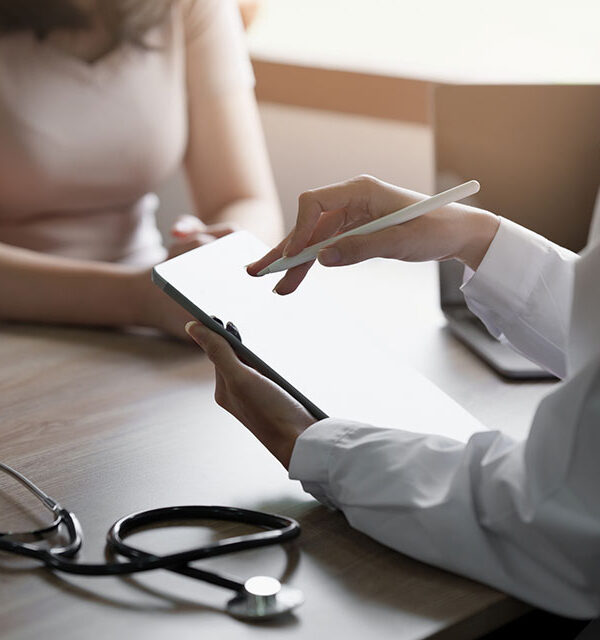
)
(99, 102)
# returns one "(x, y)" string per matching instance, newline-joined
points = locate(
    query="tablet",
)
(211, 282)
(312, 343)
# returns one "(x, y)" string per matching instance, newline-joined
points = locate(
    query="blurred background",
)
(348, 86)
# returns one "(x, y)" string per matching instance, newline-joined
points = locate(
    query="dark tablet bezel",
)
(245, 354)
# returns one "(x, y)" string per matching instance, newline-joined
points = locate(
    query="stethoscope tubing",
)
(280, 529)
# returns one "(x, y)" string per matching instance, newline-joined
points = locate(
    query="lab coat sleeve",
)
(523, 517)
(522, 293)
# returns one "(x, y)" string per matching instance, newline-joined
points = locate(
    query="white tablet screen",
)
(311, 339)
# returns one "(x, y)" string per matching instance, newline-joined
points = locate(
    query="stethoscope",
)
(258, 598)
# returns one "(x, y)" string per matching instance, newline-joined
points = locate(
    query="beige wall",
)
(309, 148)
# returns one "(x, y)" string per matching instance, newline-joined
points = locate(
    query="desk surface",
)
(110, 423)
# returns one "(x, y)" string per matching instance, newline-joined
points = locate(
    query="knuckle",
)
(307, 203)
(366, 184)
(365, 179)
(305, 199)
(305, 196)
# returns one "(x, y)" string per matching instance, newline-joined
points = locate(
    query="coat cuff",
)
(500, 288)
(312, 454)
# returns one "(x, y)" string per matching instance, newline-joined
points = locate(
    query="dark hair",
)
(127, 21)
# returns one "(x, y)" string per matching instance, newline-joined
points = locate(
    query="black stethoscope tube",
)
(279, 530)
(248, 603)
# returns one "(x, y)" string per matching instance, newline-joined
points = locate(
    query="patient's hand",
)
(189, 232)
(270, 413)
(152, 307)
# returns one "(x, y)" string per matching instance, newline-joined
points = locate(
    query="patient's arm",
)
(35, 287)
(226, 159)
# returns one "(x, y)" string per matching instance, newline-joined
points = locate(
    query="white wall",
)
(309, 148)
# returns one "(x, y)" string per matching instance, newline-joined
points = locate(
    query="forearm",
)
(492, 509)
(42, 288)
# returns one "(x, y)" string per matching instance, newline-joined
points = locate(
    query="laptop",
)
(535, 149)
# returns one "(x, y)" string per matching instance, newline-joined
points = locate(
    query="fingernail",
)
(190, 327)
(233, 330)
(275, 289)
(329, 256)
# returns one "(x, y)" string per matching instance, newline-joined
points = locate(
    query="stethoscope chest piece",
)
(263, 598)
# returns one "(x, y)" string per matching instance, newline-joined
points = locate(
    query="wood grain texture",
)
(110, 423)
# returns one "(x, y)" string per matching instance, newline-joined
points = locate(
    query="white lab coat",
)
(523, 517)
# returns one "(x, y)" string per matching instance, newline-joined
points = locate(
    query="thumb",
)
(216, 348)
(356, 249)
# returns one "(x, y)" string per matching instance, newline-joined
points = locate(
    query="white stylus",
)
(398, 217)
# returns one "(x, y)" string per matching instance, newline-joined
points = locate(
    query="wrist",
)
(285, 447)
(479, 228)
(283, 451)
(138, 284)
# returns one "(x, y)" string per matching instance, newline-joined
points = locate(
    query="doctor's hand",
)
(454, 231)
(270, 413)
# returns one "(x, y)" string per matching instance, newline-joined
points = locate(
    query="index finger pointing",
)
(275, 253)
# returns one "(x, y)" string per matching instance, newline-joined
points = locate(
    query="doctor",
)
(523, 517)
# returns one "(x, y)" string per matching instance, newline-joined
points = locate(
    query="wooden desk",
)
(110, 423)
